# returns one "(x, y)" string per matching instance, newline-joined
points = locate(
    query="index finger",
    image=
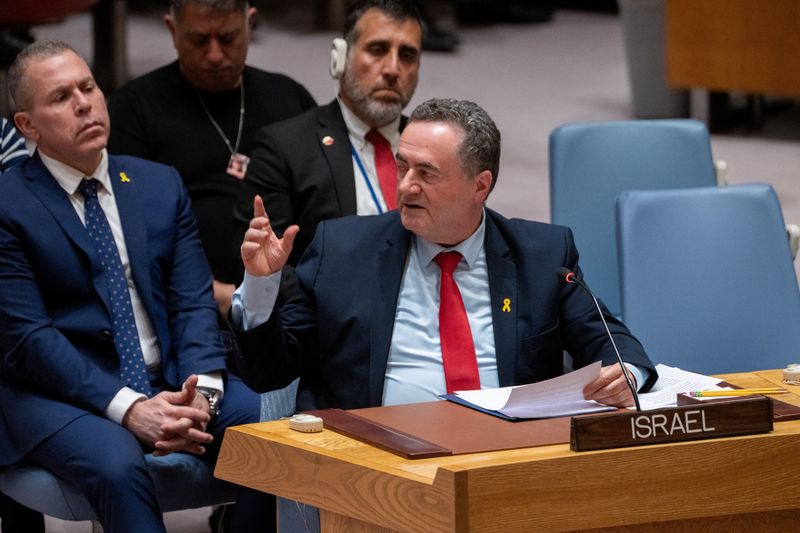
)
(258, 207)
(186, 429)
(192, 413)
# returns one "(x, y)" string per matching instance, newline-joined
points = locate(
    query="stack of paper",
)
(671, 382)
(560, 396)
(563, 396)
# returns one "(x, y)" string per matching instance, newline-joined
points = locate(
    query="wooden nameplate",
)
(742, 416)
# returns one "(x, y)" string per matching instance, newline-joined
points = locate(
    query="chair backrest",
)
(590, 163)
(707, 279)
(279, 403)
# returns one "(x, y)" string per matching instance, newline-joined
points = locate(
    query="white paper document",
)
(560, 396)
(671, 382)
(563, 395)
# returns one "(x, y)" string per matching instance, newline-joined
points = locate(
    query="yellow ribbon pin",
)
(507, 305)
(124, 177)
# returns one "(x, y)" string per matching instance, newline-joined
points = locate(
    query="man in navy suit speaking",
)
(442, 294)
(109, 334)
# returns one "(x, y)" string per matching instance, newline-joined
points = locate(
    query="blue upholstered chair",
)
(590, 163)
(707, 279)
(279, 403)
(182, 482)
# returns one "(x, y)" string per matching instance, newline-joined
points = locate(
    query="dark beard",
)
(377, 112)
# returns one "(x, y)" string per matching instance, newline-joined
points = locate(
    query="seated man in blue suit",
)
(442, 294)
(109, 340)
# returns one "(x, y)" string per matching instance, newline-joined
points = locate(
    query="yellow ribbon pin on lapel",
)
(124, 177)
(507, 305)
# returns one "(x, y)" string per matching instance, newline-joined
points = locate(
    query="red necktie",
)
(385, 166)
(458, 350)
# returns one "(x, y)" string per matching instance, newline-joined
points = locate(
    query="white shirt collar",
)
(469, 248)
(69, 178)
(358, 129)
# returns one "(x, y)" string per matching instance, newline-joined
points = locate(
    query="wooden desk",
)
(734, 45)
(722, 46)
(749, 483)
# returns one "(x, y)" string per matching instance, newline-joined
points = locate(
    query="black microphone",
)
(568, 276)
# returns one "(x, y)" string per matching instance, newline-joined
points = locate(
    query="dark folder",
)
(418, 429)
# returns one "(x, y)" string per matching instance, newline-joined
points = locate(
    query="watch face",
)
(213, 400)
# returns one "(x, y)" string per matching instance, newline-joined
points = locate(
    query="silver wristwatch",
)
(212, 395)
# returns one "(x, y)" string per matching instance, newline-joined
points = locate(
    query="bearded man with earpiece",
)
(338, 159)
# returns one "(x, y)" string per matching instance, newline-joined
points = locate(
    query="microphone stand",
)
(570, 277)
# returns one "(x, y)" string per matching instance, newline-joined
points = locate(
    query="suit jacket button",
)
(106, 335)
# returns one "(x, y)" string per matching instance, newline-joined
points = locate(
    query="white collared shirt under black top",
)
(357, 130)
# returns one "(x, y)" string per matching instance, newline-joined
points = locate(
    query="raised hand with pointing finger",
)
(263, 253)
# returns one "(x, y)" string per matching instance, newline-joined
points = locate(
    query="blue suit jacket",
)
(58, 356)
(335, 333)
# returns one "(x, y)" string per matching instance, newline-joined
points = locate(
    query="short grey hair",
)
(18, 82)
(176, 7)
(480, 147)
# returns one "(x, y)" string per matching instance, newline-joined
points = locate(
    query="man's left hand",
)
(186, 430)
(610, 387)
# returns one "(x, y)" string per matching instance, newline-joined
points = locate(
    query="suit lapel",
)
(127, 194)
(45, 187)
(56, 200)
(390, 262)
(503, 297)
(338, 155)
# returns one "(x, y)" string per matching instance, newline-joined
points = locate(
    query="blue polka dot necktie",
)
(126, 338)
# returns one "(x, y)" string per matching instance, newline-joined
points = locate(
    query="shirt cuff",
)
(121, 402)
(254, 300)
(213, 381)
(639, 373)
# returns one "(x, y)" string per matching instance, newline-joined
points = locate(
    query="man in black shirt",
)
(201, 113)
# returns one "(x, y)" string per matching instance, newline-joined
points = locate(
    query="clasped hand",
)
(263, 253)
(172, 421)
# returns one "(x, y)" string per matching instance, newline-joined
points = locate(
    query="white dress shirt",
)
(365, 154)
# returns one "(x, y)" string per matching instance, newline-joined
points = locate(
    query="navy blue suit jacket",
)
(58, 356)
(336, 332)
